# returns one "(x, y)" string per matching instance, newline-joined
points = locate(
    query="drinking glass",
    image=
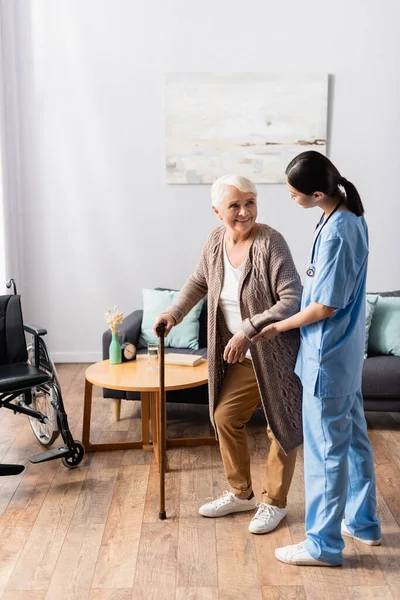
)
(152, 355)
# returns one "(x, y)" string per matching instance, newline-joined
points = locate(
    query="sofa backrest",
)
(395, 294)
(203, 315)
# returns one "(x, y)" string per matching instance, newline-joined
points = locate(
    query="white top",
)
(229, 298)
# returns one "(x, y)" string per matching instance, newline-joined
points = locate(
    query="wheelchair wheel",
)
(43, 402)
(73, 461)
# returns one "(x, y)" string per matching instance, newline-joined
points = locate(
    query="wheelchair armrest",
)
(37, 333)
(129, 330)
(35, 330)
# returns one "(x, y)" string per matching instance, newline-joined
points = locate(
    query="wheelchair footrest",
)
(50, 455)
(11, 469)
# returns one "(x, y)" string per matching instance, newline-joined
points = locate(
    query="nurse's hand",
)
(269, 332)
(236, 348)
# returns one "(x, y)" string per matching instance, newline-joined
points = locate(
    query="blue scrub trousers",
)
(339, 474)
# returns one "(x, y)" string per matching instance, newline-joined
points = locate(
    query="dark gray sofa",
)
(380, 384)
(381, 379)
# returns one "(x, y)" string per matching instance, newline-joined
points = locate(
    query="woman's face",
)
(304, 200)
(238, 210)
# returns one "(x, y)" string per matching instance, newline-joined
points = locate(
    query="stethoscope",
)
(311, 269)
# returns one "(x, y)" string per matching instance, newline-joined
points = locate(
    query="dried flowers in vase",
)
(114, 318)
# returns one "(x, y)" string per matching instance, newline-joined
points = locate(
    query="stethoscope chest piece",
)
(311, 271)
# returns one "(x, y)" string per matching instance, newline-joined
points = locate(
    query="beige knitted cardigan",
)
(269, 290)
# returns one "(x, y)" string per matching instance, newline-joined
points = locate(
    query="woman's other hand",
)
(236, 348)
(168, 320)
(269, 332)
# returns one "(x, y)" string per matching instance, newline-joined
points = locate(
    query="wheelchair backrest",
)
(12, 337)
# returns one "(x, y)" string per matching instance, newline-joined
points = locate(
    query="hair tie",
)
(342, 181)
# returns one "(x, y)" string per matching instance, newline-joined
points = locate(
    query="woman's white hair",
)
(240, 183)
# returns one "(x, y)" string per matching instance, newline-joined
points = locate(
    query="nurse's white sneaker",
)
(226, 504)
(347, 533)
(298, 555)
(267, 518)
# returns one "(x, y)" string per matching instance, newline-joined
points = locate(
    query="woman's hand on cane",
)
(168, 320)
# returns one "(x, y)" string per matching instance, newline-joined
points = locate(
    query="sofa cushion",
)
(371, 303)
(184, 335)
(381, 377)
(384, 334)
(203, 337)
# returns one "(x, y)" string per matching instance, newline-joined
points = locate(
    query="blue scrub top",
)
(331, 352)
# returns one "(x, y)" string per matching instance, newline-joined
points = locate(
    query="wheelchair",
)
(29, 385)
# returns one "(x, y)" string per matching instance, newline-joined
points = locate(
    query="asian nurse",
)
(338, 462)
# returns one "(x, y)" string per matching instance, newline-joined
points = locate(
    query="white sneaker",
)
(266, 518)
(225, 505)
(298, 555)
(347, 533)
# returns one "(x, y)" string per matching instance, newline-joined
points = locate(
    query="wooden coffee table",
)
(135, 376)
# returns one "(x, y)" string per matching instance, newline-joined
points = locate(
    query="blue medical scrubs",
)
(338, 461)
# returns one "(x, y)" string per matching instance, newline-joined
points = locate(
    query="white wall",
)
(98, 221)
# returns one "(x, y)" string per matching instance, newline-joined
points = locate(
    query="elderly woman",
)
(248, 273)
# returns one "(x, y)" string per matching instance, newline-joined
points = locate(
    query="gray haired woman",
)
(248, 274)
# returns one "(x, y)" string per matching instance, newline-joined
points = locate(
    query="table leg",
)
(145, 398)
(87, 413)
(116, 409)
(187, 442)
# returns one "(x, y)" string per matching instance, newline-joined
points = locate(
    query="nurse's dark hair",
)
(311, 172)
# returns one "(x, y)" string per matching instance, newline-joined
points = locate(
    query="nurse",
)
(338, 461)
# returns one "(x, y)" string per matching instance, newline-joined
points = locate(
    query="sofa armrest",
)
(129, 330)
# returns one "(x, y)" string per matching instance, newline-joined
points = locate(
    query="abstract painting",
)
(249, 124)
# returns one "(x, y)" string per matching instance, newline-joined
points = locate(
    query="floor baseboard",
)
(76, 357)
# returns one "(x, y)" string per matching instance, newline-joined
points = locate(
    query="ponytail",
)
(311, 172)
(352, 199)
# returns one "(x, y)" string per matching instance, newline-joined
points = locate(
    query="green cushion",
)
(372, 300)
(384, 334)
(184, 335)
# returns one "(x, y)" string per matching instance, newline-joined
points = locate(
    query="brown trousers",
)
(238, 400)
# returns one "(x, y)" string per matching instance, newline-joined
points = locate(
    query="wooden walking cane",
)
(162, 421)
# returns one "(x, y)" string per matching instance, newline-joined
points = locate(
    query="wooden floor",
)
(94, 533)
